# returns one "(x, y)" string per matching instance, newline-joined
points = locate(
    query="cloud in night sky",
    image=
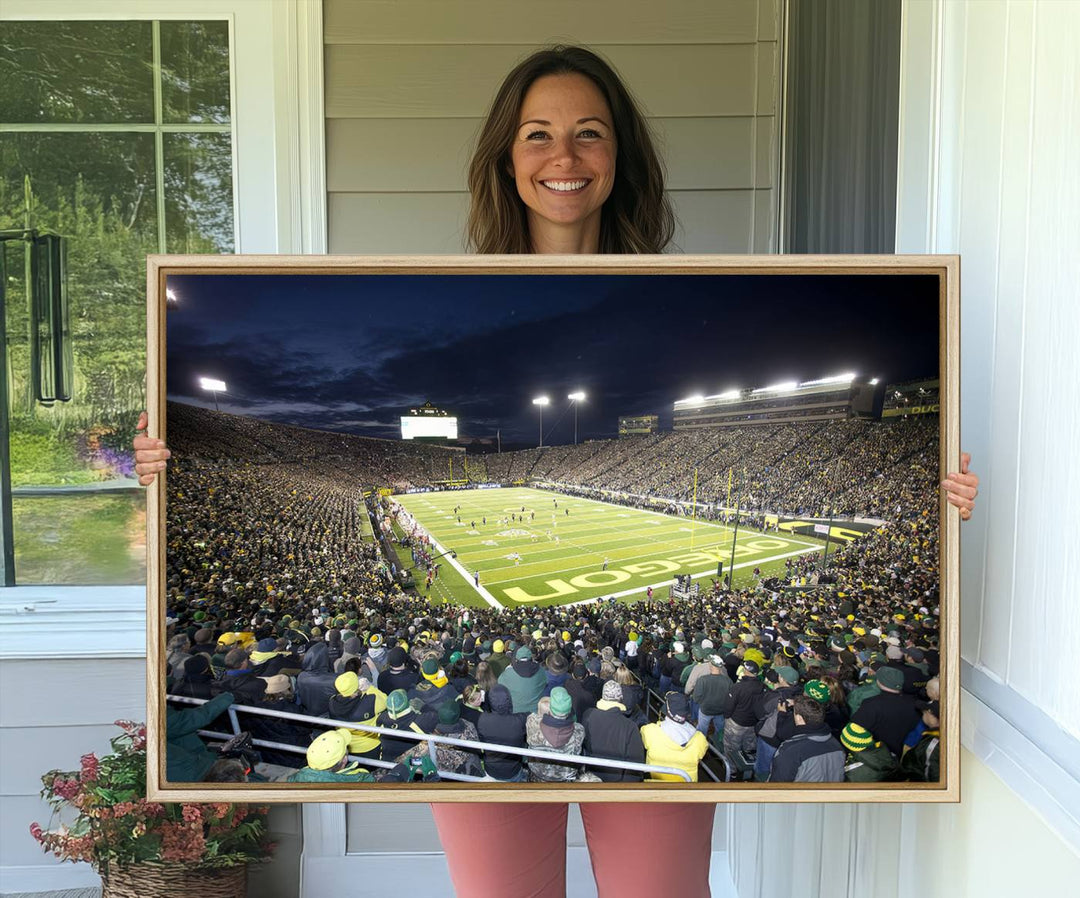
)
(353, 353)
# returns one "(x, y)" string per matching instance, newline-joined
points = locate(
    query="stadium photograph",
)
(499, 530)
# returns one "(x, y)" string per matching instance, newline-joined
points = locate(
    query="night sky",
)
(352, 353)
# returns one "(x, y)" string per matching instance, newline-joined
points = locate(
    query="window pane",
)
(98, 191)
(195, 71)
(198, 193)
(112, 174)
(76, 72)
(82, 539)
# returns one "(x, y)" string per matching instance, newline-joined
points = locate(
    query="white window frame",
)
(279, 203)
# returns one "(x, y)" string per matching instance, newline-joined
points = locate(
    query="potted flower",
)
(142, 848)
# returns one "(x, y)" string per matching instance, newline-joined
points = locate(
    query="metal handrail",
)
(432, 739)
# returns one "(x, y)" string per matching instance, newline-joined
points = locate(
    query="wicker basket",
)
(174, 881)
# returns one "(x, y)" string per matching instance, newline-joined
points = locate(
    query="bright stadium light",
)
(541, 401)
(874, 381)
(778, 388)
(214, 386)
(729, 394)
(836, 379)
(576, 397)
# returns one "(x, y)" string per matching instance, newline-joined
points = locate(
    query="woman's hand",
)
(150, 454)
(962, 487)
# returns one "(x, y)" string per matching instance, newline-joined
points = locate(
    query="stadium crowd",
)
(853, 467)
(275, 600)
(219, 437)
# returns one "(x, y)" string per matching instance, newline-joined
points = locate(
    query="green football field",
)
(554, 553)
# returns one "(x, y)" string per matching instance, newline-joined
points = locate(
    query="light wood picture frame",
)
(946, 293)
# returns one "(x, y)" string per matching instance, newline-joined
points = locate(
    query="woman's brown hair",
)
(485, 676)
(637, 216)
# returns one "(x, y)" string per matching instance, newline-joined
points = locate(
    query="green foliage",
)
(41, 458)
(76, 72)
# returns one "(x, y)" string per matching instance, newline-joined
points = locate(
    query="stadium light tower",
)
(576, 397)
(214, 386)
(541, 401)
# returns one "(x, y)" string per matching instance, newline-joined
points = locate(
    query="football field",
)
(532, 547)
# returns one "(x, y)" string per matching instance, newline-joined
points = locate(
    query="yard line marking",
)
(665, 548)
(456, 565)
(648, 548)
(599, 537)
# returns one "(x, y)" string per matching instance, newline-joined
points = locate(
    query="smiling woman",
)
(561, 117)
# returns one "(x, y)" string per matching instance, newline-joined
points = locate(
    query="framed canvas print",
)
(651, 528)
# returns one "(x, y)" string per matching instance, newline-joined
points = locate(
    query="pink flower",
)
(65, 788)
(181, 842)
(192, 814)
(217, 809)
(89, 768)
(36, 832)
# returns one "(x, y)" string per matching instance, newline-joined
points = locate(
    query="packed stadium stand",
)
(269, 575)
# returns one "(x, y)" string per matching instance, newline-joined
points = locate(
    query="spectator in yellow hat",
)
(328, 761)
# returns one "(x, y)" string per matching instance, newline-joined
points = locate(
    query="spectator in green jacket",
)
(868, 688)
(711, 693)
(187, 759)
(526, 681)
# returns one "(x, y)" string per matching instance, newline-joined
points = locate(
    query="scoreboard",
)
(428, 423)
(422, 428)
(631, 424)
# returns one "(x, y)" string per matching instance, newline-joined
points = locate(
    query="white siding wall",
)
(408, 83)
(1009, 202)
(989, 143)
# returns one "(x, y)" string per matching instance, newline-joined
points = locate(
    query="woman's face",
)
(563, 154)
